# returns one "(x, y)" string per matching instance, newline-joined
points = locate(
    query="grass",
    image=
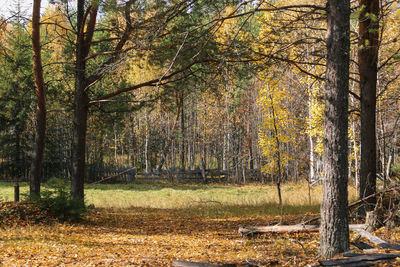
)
(214, 200)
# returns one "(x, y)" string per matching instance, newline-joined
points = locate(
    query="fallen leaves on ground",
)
(153, 237)
(23, 213)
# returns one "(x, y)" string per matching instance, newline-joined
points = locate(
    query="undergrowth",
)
(56, 198)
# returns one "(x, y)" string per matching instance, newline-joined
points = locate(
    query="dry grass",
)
(215, 200)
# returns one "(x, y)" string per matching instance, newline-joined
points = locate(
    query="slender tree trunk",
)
(249, 140)
(40, 134)
(334, 230)
(382, 148)
(169, 143)
(224, 148)
(115, 145)
(146, 143)
(278, 154)
(312, 173)
(356, 163)
(182, 149)
(368, 61)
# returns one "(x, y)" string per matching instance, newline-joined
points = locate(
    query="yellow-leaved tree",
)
(278, 129)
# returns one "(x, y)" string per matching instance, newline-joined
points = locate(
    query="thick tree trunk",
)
(81, 105)
(40, 134)
(79, 140)
(367, 60)
(334, 231)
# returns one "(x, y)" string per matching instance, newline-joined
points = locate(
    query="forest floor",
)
(155, 236)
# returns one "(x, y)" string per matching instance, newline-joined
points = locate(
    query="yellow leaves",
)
(139, 70)
(314, 120)
(228, 28)
(279, 125)
(143, 237)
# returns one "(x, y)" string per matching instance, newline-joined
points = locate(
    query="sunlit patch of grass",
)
(211, 200)
(7, 190)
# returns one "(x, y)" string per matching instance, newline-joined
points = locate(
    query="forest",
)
(179, 97)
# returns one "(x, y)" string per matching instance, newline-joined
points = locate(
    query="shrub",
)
(56, 199)
(396, 169)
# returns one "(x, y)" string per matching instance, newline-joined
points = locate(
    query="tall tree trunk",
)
(249, 140)
(81, 103)
(334, 230)
(368, 61)
(81, 99)
(381, 143)
(278, 154)
(40, 134)
(146, 143)
(224, 150)
(182, 149)
(354, 144)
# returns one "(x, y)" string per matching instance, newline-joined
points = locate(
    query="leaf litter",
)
(147, 237)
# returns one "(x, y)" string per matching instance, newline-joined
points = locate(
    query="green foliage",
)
(16, 97)
(56, 198)
(396, 169)
(396, 56)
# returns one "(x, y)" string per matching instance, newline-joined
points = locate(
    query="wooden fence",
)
(174, 175)
(96, 173)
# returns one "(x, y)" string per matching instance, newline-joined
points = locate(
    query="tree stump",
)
(373, 221)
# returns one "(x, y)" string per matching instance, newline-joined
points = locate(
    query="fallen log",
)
(361, 260)
(249, 230)
(361, 245)
(359, 202)
(113, 176)
(298, 228)
(376, 240)
(178, 263)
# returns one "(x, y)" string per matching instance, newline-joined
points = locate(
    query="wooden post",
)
(203, 170)
(16, 192)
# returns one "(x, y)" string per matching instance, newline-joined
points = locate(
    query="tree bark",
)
(81, 103)
(278, 154)
(334, 231)
(40, 131)
(182, 149)
(81, 99)
(368, 61)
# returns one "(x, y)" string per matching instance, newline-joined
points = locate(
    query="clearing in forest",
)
(154, 224)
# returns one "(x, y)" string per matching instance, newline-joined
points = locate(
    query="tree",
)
(40, 134)
(278, 128)
(368, 70)
(16, 97)
(154, 22)
(334, 230)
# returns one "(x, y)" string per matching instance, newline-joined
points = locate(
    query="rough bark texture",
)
(182, 150)
(334, 231)
(40, 134)
(81, 98)
(368, 62)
